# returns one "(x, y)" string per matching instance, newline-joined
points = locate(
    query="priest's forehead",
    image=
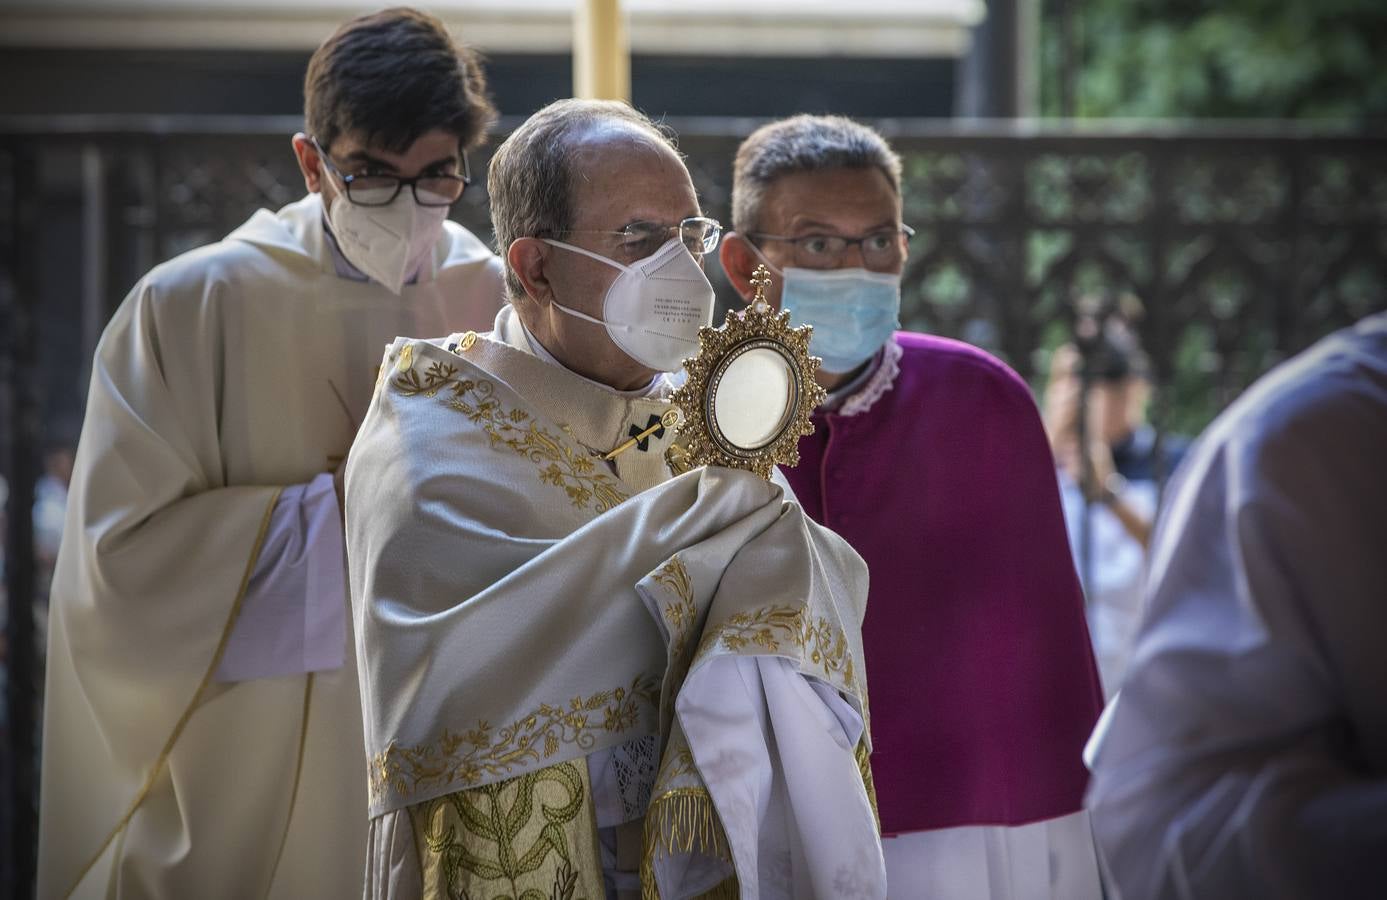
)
(622, 174)
(532, 180)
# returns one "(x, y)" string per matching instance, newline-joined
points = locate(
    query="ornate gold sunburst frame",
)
(701, 442)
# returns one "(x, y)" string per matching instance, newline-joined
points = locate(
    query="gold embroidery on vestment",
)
(773, 628)
(515, 429)
(681, 616)
(468, 758)
(864, 766)
(532, 836)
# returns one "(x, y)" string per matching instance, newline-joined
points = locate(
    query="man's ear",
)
(739, 261)
(527, 257)
(309, 164)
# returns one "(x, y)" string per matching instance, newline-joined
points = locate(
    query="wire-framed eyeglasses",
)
(816, 251)
(429, 189)
(641, 239)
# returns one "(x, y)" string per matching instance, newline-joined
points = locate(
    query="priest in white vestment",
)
(1246, 755)
(583, 677)
(203, 716)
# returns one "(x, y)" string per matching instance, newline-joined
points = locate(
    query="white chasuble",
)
(526, 613)
(228, 373)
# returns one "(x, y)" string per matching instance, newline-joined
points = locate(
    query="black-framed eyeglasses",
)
(816, 251)
(429, 189)
(641, 239)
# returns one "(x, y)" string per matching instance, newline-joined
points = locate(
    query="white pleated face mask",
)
(387, 243)
(654, 308)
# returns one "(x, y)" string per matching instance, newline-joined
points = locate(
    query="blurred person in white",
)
(1110, 496)
(1246, 756)
(202, 735)
(50, 510)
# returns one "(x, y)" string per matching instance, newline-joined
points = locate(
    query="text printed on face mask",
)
(676, 311)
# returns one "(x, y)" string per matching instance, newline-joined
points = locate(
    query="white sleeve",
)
(1236, 760)
(776, 751)
(293, 618)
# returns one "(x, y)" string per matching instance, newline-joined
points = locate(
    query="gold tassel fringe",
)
(684, 821)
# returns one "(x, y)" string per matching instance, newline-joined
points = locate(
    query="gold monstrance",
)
(750, 391)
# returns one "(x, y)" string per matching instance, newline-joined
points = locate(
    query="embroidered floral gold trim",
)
(681, 617)
(683, 820)
(559, 464)
(478, 755)
(774, 628)
(864, 766)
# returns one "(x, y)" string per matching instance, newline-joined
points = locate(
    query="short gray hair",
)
(530, 181)
(803, 144)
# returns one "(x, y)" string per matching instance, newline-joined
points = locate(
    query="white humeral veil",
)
(520, 604)
(216, 383)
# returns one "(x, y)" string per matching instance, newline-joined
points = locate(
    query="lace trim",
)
(634, 763)
(882, 380)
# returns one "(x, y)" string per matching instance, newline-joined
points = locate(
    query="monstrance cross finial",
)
(760, 279)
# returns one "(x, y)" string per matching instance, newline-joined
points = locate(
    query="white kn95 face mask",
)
(387, 243)
(654, 308)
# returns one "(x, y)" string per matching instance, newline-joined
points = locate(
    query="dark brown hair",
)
(391, 76)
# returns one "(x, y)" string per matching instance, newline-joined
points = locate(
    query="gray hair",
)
(530, 181)
(803, 144)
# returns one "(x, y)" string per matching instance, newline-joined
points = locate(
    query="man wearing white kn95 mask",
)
(649, 679)
(929, 458)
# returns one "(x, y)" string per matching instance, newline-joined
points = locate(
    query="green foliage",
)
(1304, 59)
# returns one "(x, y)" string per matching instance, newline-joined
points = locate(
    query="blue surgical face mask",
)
(853, 312)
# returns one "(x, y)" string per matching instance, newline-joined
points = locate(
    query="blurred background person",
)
(50, 502)
(1110, 494)
(1246, 756)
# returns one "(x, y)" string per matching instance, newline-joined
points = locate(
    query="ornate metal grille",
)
(1243, 248)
